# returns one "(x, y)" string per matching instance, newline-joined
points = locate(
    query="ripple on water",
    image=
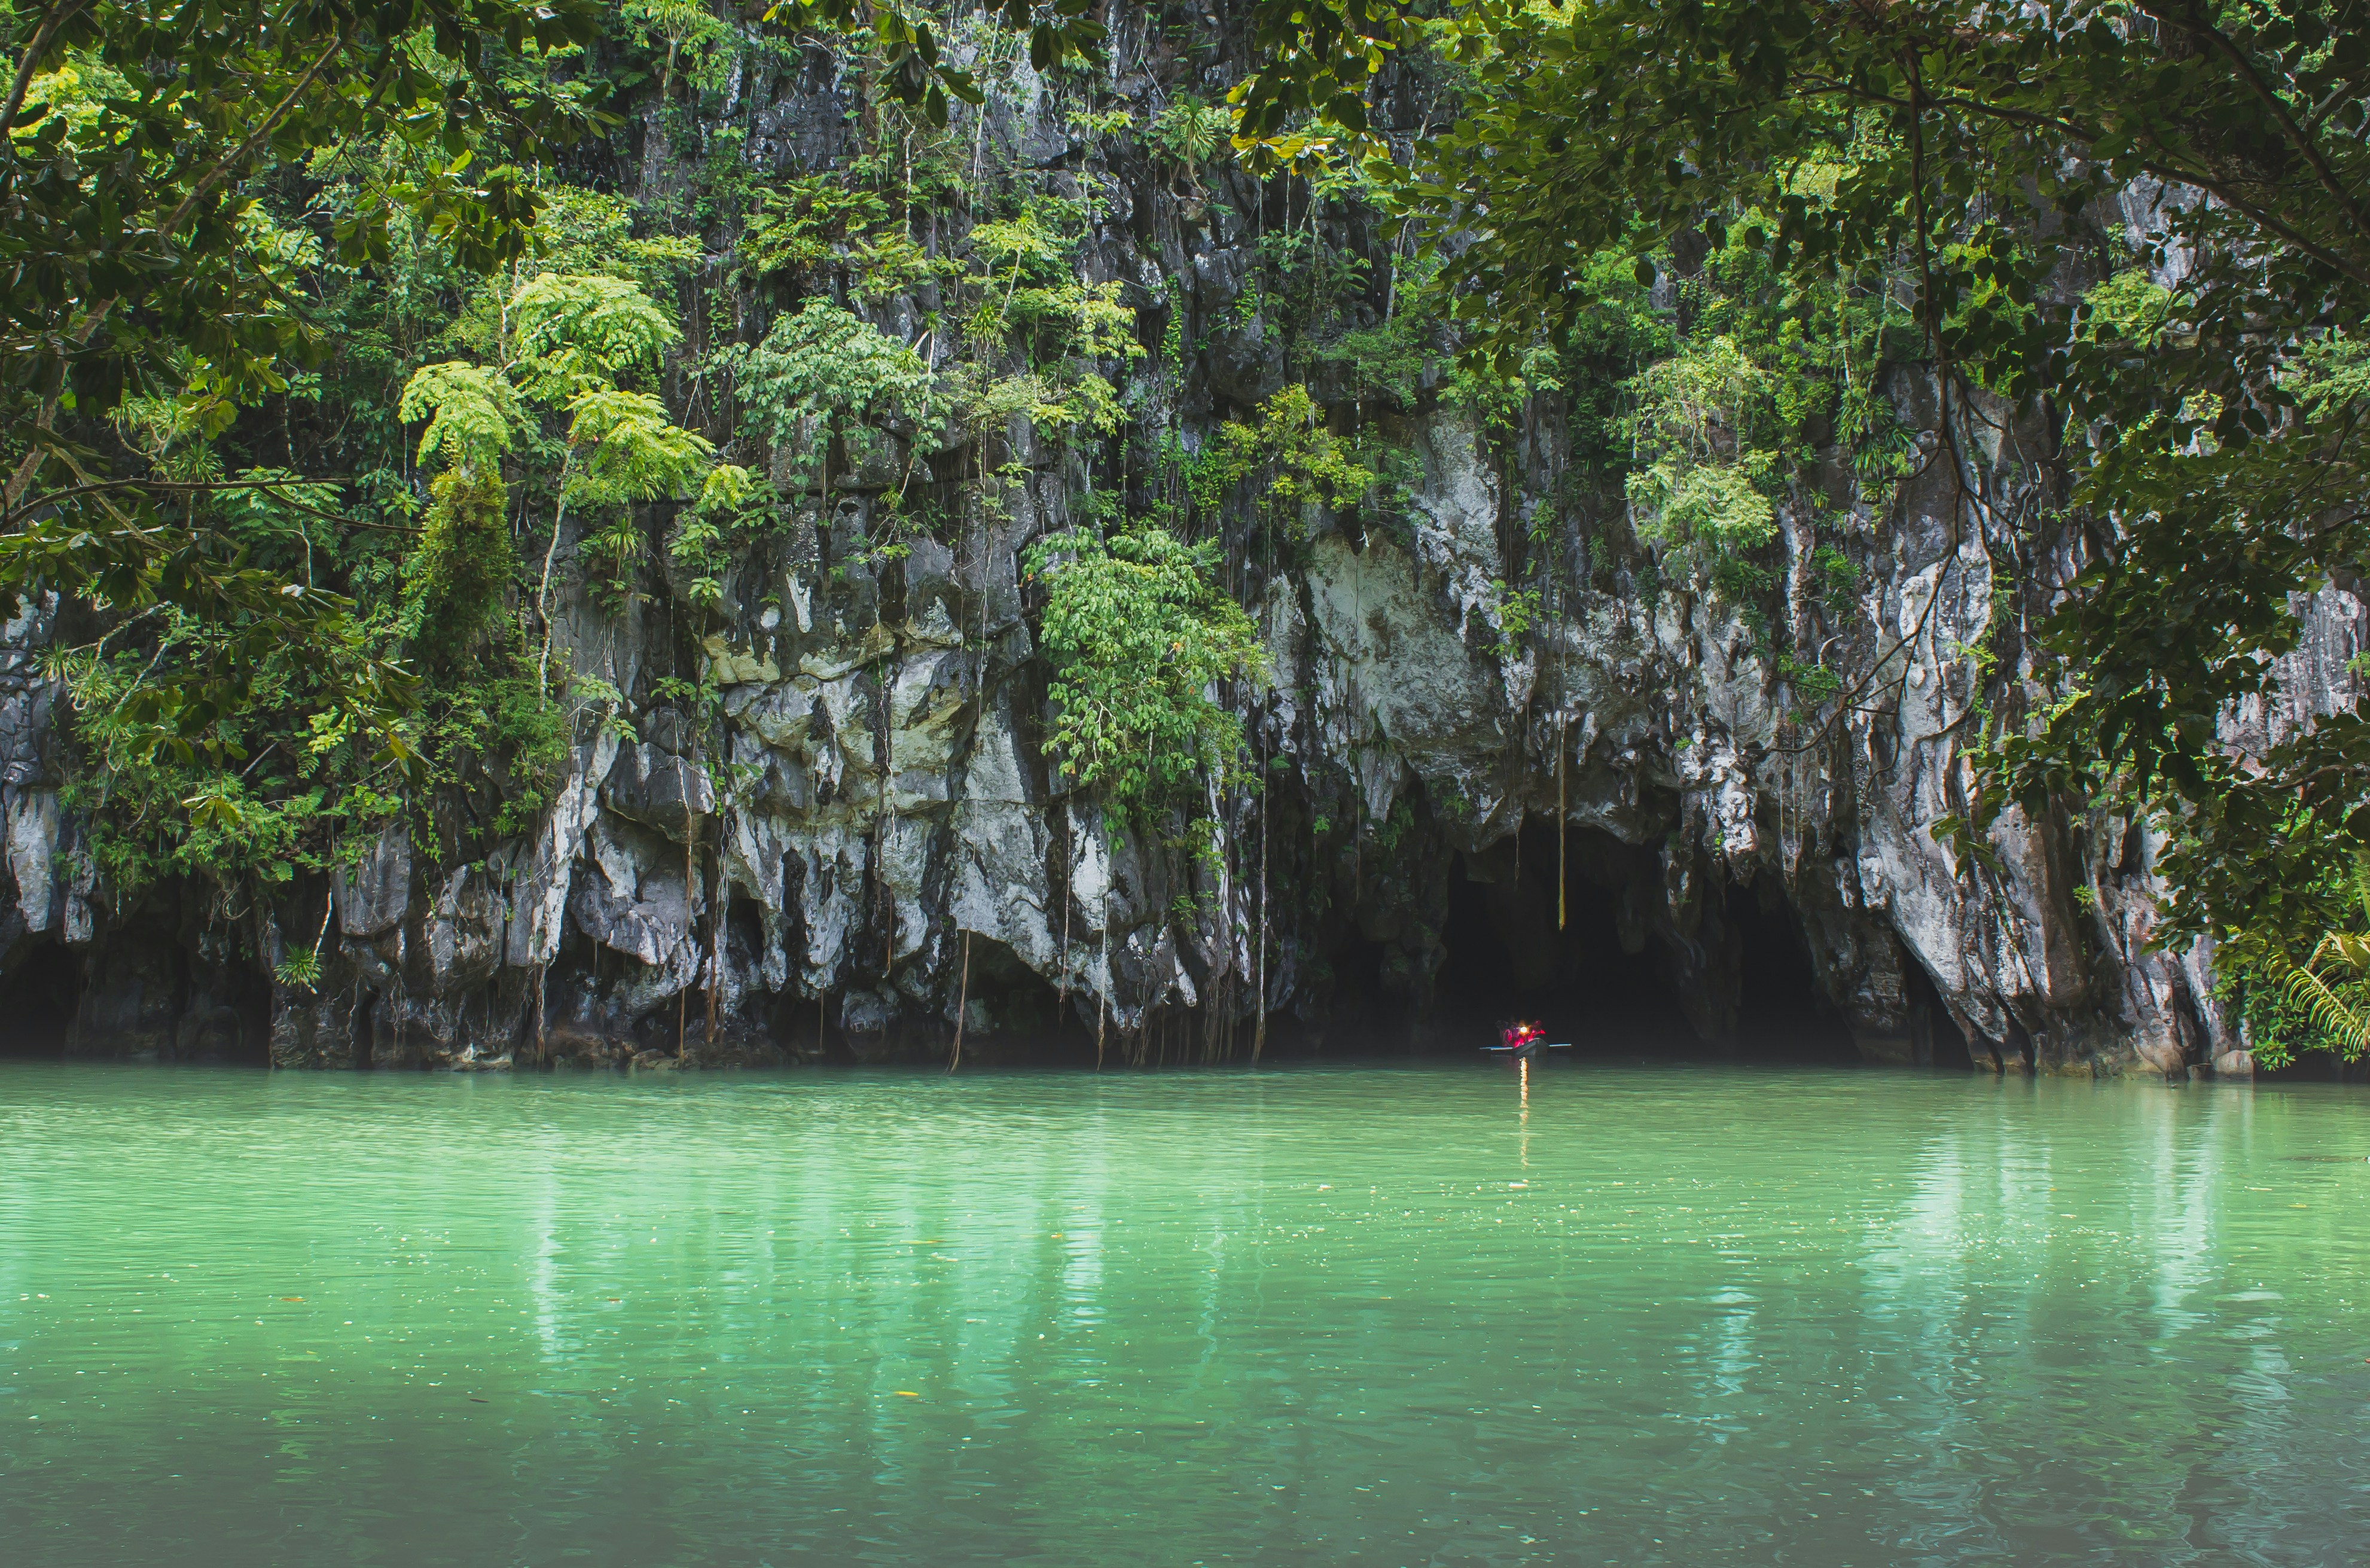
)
(1307, 1316)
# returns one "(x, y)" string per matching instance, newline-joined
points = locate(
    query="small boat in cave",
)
(1523, 1040)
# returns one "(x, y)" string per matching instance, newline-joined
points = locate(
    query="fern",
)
(628, 451)
(1189, 133)
(580, 334)
(2342, 1020)
(804, 222)
(701, 533)
(470, 412)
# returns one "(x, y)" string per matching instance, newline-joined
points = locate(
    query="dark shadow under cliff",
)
(39, 998)
(1602, 975)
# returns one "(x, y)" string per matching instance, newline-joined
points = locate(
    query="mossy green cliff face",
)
(809, 775)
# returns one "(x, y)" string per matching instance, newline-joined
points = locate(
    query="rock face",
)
(872, 838)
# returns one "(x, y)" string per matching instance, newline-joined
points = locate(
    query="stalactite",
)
(963, 1005)
(1259, 1038)
(691, 939)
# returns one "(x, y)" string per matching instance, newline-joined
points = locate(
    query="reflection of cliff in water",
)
(1313, 1315)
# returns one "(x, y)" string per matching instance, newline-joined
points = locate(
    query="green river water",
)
(1327, 1315)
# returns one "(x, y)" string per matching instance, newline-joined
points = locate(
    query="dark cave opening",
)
(1008, 998)
(1506, 958)
(1607, 982)
(1358, 1005)
(1936, 1038)
(39, 998)
(1780, 1013)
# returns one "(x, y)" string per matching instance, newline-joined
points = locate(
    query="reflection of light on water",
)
(1522, 1142)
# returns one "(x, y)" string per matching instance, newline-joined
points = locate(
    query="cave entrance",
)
(1009, 1001)
(39, 999)
(1505, 958)
(1607, 982)
(1780, 1016)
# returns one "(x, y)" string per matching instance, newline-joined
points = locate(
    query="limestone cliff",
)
(875, 815)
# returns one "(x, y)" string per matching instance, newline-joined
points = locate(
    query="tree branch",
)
(274, 487)
(2309, 146)
(255, 137)
(50, 22)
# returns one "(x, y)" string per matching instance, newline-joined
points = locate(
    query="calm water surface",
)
(1316, 1316)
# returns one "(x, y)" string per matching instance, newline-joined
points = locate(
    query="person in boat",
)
(1522, 1039)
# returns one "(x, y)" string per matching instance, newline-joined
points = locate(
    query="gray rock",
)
(659, 790)
(372, 893)
(879, 784)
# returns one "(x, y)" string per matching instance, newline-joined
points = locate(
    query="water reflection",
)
(1683, 1317)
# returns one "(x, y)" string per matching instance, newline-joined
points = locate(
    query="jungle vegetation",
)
(324, 322)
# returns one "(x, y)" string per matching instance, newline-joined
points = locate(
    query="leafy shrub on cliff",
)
(1701, 496)
(1299, 467)
(1139, 637)
(459, 576)
(1189, 131)
(823, 374)
(571, 335)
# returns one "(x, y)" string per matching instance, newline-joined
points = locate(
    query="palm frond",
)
(2344, 1022)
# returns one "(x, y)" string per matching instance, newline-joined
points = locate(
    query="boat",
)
(1523, 1040)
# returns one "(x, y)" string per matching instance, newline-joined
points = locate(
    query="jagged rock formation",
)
(877, 817)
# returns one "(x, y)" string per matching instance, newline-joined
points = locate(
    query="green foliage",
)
(300, 968)
(1705, 511)
(1702, 494)
(580, 231)
(1027, 296)
(916, 70)
(498, 734)
(470, 413)
(1837, 577)
(682, 25)
(1139, 637)
(628, 449)
(728, 498)
(312, 234)
(1381, 365)
(1951, 155)
(807, 221)
(1514, 610)
(1189, 133)
(580, 334)
(1813, 683)
(825, 373)
(154, 811)
(1299, 464)
(2322, 1004)
(140, 271)
(2130, 306)
(625, 449)
(456, 580)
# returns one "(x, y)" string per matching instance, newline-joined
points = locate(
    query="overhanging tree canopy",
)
(1984, 159)
(134, 266)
